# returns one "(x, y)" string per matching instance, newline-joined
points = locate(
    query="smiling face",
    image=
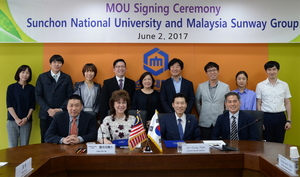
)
(147, 82)
(233, 104)
(120, 106)
(56, 66)
(24, 75)
(212, 73)
(74, 107)
(175, 70)
(120, 69)
(179, 105)
(89, 75)
(272, 72)
(241, 81)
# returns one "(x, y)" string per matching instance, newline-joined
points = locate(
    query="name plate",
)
(24, 168)
(195, 148)
(101, 148)
(287, 165)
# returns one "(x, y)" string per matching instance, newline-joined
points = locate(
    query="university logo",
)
(156, 61)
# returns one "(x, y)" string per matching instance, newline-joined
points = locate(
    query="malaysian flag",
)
(137, 134)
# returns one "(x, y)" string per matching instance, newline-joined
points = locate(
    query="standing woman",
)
(89, 90)
(118, 125)
(248, 97)
(20, 101)
(147, 98)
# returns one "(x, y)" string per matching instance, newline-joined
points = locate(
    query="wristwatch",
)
(289, 121)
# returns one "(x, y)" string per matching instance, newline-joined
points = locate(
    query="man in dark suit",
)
(74, 126)
(234, 117)
(176, 84)
(51, 92)
(178, 125)
(116, 83)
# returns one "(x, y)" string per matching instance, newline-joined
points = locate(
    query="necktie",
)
(121, 84)
(74, 130)
(55, 77)
(233, 133)
(180, 129)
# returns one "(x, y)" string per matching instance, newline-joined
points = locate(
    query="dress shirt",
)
(58, 74)
(123, 82)
(248, 99)
(212, 90)
(177, 84)
(273, 96)
(70, 124)
(236, 115)
(89, 97)
(183, 121)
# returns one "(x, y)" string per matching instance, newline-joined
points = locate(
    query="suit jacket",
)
(51, 94)
(169, 128)
(59, 128)
(167, 93)
(78, 90)
(209, 108)
(222, 127)
(109, 86)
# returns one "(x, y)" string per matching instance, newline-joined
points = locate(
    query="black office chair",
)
(134, 113)
(258, 115)
(160, 115)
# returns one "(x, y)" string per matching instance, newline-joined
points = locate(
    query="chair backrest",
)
(258, 115)
(134, 112)
(160, 115)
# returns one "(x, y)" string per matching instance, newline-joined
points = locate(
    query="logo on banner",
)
(156, 61)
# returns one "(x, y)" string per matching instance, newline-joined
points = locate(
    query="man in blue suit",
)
(176, 84)
(62, 129)
(224, 127)
(178, 125)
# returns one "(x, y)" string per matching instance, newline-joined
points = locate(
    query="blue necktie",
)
(180, 129)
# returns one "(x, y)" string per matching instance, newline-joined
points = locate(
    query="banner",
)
(141, 21)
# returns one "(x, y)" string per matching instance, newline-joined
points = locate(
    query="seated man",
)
(72, 127)
(229, 126)
(178, 125)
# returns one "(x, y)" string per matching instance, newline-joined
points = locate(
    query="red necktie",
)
(74, 130)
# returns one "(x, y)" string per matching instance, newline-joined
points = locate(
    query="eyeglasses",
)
(120, 66)
(212, 70)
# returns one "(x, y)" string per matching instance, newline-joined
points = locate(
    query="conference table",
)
(254, 158)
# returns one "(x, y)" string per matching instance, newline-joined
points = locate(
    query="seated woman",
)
(89, 90)
(118, 125)
(147, 98)
(248, 97)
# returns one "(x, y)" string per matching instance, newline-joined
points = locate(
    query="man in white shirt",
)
(273, 97)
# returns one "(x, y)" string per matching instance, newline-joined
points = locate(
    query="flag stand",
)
(147, 147)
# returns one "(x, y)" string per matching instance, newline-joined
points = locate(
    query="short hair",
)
(179, 95)
(89, 67)
(241, 72)
(143, 76)
(211, 65)
(232, 94)
(56, 58)
(76, 97)
(271, 64)
(116, 96)
(119, 60)
(175, 60)
(23, 68)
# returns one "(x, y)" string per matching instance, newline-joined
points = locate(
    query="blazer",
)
(109, 86)
(59, 128)
(77, 90)
(167, 93)
(222, 127)
(169, 128)
(209, 108)
(51, 94)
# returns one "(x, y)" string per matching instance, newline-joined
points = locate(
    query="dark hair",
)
(56, 58)
(179, 95)
(89, 67)
(23, 68)
(143, 76)
(271, 64)
(75, 97)
(116, 96)
(211, 65)
(175, 60)
(119, 60)
(232, 94)
(241, 72)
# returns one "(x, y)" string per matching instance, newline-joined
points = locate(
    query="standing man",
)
(51, 92)
(176, 84)
(74, 126)
(119, 82)
(273, 98)
(178, 125)
(210, 99)
(227, 124)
